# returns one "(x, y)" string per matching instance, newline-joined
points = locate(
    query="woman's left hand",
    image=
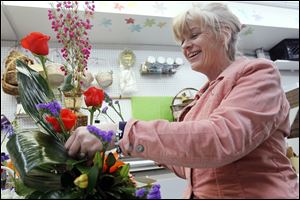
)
(82, 144)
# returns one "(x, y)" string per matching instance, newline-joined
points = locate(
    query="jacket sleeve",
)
(245, 118)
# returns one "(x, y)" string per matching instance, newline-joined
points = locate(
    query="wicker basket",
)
(183, 99)
(9, 80)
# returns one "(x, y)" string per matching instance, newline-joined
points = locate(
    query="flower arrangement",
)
(44, 167)
(71, 28)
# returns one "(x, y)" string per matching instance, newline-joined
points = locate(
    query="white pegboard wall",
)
(104, 57)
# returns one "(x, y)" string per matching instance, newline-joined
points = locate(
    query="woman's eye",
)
(194, 35)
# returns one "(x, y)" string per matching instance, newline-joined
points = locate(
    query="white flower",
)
(10, 194)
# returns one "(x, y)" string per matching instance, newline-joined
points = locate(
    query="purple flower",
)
(6, 126)
(104, 110)
(9, 130)
(108, 136)
(53, 107)
(140, 192)
(4, 121)
(154, 193)
(4, 157)
(103, 135)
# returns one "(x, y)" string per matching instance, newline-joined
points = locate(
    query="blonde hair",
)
(215, 16)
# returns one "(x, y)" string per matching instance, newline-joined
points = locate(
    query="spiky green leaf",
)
(33, 89)
(92, 178)
(39, 159)
(124, 170)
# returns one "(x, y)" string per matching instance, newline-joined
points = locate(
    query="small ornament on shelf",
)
(160, 65)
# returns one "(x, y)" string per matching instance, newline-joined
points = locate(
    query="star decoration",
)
(136, 28)
(159, 7)
(118, 6)
(161, 24)
(106, 22)
(129, 21)
(131, 4)
(149, 22)
(257, 17)
(249, 31)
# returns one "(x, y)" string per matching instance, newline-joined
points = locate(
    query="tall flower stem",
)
(43, 60)
(110, 118)
(117, 112)
(91, 118)
(92, 115)
(62, 128)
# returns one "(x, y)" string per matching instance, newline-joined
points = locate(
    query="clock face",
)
(127, 58)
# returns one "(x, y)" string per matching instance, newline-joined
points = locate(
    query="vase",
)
(72, 102)
(82, 119)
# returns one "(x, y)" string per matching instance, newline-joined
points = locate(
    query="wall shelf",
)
(157, 68)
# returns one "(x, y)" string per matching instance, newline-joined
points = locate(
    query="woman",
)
(230, 141)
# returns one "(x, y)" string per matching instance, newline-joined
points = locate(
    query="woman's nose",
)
(186, 44)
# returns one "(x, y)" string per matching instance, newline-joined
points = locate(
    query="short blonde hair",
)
(216, 16)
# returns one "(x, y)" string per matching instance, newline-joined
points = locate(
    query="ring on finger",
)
(82, 155)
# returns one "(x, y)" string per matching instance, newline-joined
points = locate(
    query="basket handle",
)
(189, 88)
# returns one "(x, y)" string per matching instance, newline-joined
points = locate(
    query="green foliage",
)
(39, 159)
(124, 171)
(68, 83)
(93, 176)
(33, 89)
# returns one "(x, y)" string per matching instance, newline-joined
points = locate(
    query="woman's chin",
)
(197, 68)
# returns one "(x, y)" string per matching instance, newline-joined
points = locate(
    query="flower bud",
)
(82, 181)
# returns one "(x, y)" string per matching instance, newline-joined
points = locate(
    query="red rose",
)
(36, 43)
(93, 97)
(68, 118)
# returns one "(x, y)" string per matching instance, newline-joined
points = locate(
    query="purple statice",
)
(4, 157)
(154, 193)
(104, 110)
(6, 126)
(106, 136)
(52, 107)
(140, 192)
(8, 129)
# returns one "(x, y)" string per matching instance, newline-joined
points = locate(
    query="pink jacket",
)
(230, 142)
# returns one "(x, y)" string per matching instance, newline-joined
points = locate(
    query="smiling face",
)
(204, 50)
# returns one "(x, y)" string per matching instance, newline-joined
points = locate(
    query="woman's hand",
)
(84, 144)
